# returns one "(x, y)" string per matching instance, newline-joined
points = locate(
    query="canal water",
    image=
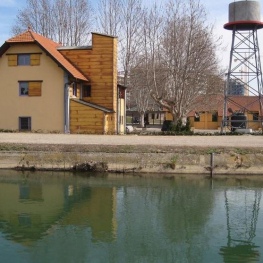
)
(64, 217)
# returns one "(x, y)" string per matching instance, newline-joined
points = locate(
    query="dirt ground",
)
(189, 141)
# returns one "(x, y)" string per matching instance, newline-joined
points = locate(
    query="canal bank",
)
(167, 155)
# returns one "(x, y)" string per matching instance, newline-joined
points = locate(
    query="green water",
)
(61, 217)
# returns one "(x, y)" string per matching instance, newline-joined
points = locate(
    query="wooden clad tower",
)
(99, 64)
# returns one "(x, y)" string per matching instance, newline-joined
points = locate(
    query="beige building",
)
(208, 113)
(50, 88)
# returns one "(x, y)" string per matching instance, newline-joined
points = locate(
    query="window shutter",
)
(12, 60)
(35, 59)
(34, 88)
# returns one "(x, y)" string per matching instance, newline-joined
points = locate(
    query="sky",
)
(217, 13)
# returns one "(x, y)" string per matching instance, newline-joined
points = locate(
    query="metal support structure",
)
(244, 76)
(241, 225)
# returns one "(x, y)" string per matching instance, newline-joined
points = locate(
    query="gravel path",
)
(74, 139)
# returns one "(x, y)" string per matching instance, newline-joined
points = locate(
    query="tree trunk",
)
(142, 119)
(175, 118)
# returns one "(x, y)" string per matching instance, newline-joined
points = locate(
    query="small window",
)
(23, 88)
(30, 88)
(74, 89)
(197, 117)
(121, 94)
(214, 116)
(87, 91)
(24, 123)
(23, 59)
(24, 219)
(255, 116)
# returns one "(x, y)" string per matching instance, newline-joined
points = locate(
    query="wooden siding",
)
(99, 64)
(205, 122)
(84, 119)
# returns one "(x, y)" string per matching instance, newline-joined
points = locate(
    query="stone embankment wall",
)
(132, 159)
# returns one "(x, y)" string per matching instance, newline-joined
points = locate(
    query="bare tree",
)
(142, 72)
(130, 39)
(36, 15)
(182, 59)
(139, 93)
(122, 18)
(109, 16)
(65, 21)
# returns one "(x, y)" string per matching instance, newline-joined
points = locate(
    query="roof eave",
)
(60, 64)
(4, 48)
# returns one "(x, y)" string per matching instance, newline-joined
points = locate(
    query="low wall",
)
(132, 159)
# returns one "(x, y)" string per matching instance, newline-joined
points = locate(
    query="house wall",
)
(99, 64)
(41, 207)
(205, 122)
(254, 125)
(84, 119)
(46, 111)
(88, 211)
(122, 116)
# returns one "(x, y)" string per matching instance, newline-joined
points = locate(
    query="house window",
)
(74, 89)
(23, 88)
(121, 94)
(24, 123)
(24, 219)
(87, 91)
(197, 117)
(23, 59)
(30, 88)
(255, 116)
(214, 116)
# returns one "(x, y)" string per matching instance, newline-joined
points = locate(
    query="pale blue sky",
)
(217, 15)
(217, 11)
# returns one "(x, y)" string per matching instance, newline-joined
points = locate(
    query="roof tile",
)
(51, 47)
(235, 102)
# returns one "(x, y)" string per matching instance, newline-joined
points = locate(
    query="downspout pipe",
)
(66, 107)
(125, 110)
(118, 111)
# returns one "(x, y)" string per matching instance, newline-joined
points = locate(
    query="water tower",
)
(244, 76)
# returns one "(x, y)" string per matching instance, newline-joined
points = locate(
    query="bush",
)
(178, 128)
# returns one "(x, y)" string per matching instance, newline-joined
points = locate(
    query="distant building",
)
(208, 112)
(236, 87)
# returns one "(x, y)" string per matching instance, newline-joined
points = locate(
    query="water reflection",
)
(66, 218)
(242, 211)
(31, 209)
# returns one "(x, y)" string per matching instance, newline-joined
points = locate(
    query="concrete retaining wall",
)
(133, 161)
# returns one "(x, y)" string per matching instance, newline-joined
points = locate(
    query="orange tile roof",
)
(236, 103)
(49, 46)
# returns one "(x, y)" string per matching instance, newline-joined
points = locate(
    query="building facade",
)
(49, 88)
